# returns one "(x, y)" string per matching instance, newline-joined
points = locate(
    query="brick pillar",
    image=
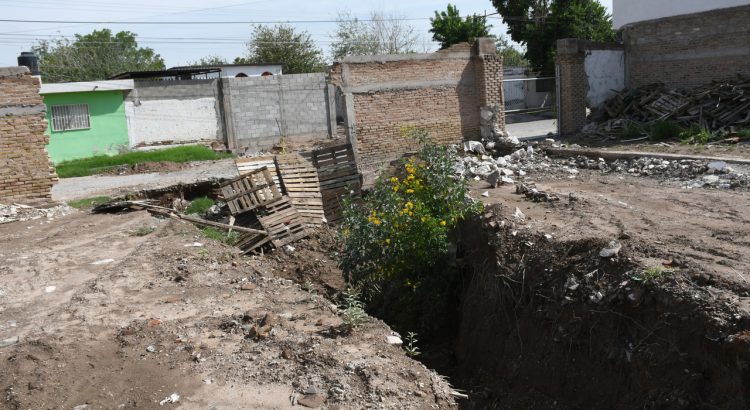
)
(572, 86)
(489, 70)
(26, 173)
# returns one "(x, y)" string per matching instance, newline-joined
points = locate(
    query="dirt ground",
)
(108, 319)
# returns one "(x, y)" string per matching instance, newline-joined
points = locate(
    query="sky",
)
(180, 44)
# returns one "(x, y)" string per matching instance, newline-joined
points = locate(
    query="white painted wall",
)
(632, 11)
(156, 121)
(606, 75)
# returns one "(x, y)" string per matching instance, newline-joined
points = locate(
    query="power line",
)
(204, 22)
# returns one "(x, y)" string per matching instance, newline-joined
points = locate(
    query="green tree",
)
(382, 34)
(512, 57)
(296, 52)
(208, 61)
(538, 24)
(449, 28)
(95, 56)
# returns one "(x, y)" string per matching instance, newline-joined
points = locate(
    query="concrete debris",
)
(17, 212)
(611, 250)
(173, 398)
(474, 146)
(9, 341)
(519, 215)
(393, 340)
(486, 194)
(531, 192)
(50, 289)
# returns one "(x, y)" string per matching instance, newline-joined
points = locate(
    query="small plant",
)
(652, 275)
(228, 238)
(200, 205)
(411, 345)
(143, 231)
(664, 130)
(696, 135)
(353, 310)
(630, 132)
(744, 134)
(89, 202)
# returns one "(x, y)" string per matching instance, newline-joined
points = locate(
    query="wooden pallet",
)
(283, 222)
(250, 191)
(338, 175)
(247, 165)
(300, 182)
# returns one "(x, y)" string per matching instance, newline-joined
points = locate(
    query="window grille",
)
(70, 117)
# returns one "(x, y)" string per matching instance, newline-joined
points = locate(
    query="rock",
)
(311, 400)
(717, 166)
(507, 172)
(711, 179)
(507, 180)
(103, 262)
(572, 197)
(393, 340)
(494, 179)
(173, 398)
(49, 289)
(9, 341)
(248, 286)
(486, 194)
(474, 146)
(519, 215)
(483, 170)
(501, 162)
(151, 349)
(612, 249)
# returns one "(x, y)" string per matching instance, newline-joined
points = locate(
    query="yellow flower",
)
(409, 191)
(409, 205)
(394, 180)
(442, 223)
(395, 188)
(411, 213)
(388, 241)
(376, 221)
(424, 219)
(410, 177)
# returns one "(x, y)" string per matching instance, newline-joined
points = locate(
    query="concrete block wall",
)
(388, 96)
(26, 172)
(260, 110)
(689, 50)
(160, 112)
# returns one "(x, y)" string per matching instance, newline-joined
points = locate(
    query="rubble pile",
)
(717, 107)
(531, 161)
(16, 212)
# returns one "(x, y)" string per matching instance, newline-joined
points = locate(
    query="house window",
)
(70, 117)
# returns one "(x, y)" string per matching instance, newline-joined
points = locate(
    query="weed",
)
(652, 275)
(744, 134)
(228, 238)
(630, 132)
(89, 202)
(411, 345)
(143, 231)
(353, 310)
(664, 130)
(200, 205)
(102, 163)
(696, 135)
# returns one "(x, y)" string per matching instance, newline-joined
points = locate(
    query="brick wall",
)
(259, 110)
(688, 51)
(388, 96)
(26, 173)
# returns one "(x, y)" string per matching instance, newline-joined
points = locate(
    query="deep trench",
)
(521, 329)
(526, 333)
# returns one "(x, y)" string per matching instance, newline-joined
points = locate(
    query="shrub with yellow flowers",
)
(395, 236)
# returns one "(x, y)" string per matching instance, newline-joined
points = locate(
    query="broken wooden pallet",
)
(338, 176)
(247, 165)
(283, 222)
(300, 181)
(250, 191)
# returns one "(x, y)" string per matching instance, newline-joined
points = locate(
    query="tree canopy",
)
(538, 24)
(282, 44)
(382, 34)
(95, 56)
(208, 61)
(449, 28)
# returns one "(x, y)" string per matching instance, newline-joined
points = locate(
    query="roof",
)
(172, 72)
(87, 86)
(226, 65)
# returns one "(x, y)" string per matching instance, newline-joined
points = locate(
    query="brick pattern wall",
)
(441, 93)
(26, 173)
(573, 89)
(297, 101)
(689, 51)
(490, 84)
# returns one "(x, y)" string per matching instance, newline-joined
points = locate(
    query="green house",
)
(86, 118)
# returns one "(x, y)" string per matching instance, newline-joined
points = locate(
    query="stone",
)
(248, 286)
(173, 398)
(312, 401)
(393, 340)
(507, 180)
(9, 341)
(474, 146)
(49, 289)
(494, 179)
(486, 194)
(507, 172)
(151, 349)
(519, 215)
(501, 162)
(611, 250)
(717, 166)
(711, 179)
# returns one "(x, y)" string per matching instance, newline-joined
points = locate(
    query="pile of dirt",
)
(181, 317)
